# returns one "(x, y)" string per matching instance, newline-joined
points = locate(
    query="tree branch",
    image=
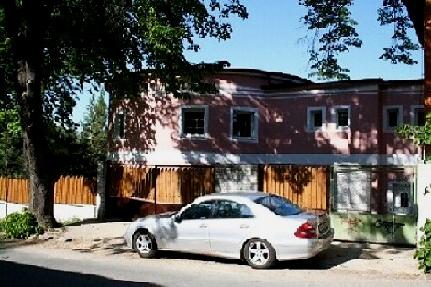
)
(416, 9)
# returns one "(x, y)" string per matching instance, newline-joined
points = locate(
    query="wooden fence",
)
(162, 185)
(67, 190)
(304, 185)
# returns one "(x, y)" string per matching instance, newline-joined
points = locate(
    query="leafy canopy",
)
(96, 41)
(335, 33)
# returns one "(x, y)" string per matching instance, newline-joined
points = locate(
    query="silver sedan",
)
(257, 227)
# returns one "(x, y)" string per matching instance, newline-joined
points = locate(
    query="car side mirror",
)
(177, 218)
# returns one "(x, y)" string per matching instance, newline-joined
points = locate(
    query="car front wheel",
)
(259, 254)
(145, 244)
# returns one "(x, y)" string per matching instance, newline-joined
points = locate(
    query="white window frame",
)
(310, 126)
(413, 109)
(255, 126)
(335, 117)
(386, 127)
(116, 131)
(206, 117)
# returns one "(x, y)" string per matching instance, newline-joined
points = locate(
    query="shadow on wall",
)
(297, 176)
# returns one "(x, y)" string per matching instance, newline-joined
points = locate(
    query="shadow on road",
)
(17, 275)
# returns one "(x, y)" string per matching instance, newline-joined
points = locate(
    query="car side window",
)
(202, 210)
(231, 209)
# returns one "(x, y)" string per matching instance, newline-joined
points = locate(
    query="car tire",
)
(145, 244)
(259, 253)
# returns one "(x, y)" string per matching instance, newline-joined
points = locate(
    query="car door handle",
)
(244, 226)
(203, 226)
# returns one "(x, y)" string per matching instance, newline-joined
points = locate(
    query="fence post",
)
(101, 190)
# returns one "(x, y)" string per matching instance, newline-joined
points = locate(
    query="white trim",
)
(310, 126)
(205, 135)
(413, 109)
(255, 125)
(386, 128)
(176, 157)
(334, 116)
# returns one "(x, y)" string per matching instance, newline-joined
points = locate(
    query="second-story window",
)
(119, 126)
(392, 117)
(245, 123)
(342, 117)
(418, 115)
(194, 121)
(315, 118)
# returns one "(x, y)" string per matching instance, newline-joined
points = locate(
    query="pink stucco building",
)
(261, 122)
(269, 118)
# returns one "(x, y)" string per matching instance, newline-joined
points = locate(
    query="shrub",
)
(423, 252)
(20, 225)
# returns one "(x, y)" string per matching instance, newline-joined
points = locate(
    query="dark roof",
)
(261, 73)
(342, 84)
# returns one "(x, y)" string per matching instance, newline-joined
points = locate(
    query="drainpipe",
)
(381, 150)
(427, 62)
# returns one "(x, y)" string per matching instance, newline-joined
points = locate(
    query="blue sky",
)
(274, 39)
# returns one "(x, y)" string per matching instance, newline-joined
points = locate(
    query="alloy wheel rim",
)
(258, 253)
(143, 243)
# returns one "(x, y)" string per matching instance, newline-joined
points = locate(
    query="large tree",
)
(49, 48)
(335, 33)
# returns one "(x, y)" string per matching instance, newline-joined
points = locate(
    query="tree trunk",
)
(25, 31)
(415, 9)
(35, 149)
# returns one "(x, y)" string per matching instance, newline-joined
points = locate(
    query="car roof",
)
(251, 195)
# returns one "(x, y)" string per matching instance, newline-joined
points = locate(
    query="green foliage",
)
(94, 132)
(420, 135)
(11, 160)
(335, 33)
(20, 225)
(393, 12)
(423, 252)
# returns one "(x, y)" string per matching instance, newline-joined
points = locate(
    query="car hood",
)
(157, 216)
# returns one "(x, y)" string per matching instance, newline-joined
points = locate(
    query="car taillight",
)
(306, 230)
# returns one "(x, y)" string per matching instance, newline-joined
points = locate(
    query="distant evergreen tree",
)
(94, 127)
(11, 157)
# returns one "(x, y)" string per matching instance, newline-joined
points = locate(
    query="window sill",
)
(245, 140)
(389, 130)
(343, 129)
(194, 136)
(313, 130)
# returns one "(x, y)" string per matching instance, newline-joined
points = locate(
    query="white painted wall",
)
(423, 194)
(8, 208)
(62, 212)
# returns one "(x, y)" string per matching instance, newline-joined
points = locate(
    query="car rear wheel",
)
(259, 253)
(145, 244)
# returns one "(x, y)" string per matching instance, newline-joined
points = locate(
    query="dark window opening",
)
(343, 117)
(317, 119)
(194, 121)
(242, 124)
(404, 199)
(392, 117)
(119, 126)
(420, 117)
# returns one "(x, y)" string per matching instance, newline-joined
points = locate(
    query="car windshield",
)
(279, 205)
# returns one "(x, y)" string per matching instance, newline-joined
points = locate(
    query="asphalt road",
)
(35, 266)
